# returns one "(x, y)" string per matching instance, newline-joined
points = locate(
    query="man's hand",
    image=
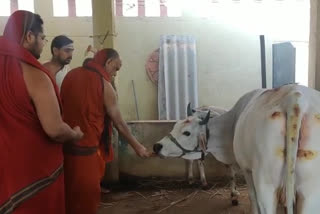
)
(141, 151)
(78, 133)
(110, 103)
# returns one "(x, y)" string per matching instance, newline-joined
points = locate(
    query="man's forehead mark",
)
(69, 46)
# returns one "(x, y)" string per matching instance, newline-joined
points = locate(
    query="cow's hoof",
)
(235, 202)
(191, 182)
(235, 193)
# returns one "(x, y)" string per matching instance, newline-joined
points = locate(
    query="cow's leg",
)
(308, 199)
(307, 182)
(252, 192)
(190, 171)
(308, 205)
(266, 193)
(202, 174)
(234, 193)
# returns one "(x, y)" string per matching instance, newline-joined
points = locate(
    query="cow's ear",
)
(206, 119)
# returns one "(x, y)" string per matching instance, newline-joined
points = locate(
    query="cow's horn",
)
(205, 120)
(189, 111)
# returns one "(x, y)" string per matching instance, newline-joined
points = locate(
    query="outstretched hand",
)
(142, 152)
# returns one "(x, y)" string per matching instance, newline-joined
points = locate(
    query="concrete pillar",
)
(44, 8)
(314, 45)
(103, 22)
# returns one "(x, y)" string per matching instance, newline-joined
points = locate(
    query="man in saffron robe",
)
(31, 127)
(89, 100)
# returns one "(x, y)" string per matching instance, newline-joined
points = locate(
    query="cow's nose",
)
(157, 147)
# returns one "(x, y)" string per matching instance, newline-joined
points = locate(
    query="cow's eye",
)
(186, 133)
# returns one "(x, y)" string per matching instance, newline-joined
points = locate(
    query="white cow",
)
(273, 135)
(197, 154)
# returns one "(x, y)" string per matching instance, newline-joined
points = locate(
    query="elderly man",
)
(31, 127)
(61, 50)
(89, 100)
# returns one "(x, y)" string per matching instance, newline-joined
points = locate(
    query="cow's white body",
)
(276, 144)
(274, 137)
(275, 141)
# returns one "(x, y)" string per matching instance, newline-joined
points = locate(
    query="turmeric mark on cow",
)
(306, 154)
(296, 110)
(301, 154)
(294, 126)
(279, 152)
(317, 117)
(292, 132)
(276, 115)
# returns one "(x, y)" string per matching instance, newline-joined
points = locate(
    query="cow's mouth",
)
(161, 156)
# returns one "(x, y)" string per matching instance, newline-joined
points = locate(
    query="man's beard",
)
(64, 61)
(35, 53)
(34, 50)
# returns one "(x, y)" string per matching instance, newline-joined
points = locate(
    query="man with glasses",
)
(32, 131)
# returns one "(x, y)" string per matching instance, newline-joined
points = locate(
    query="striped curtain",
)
(178, 81)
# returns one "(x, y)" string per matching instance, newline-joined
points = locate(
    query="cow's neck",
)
(221, 137)
(222, 128)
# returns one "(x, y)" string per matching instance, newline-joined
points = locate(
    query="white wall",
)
(228, 61)
(227, 43)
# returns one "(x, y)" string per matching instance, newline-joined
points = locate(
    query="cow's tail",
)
(295, 109)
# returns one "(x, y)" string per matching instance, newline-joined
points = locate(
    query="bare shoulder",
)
(110, 97)
(35, 79)
(108, 88)
(47, 65)
(31, 70)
